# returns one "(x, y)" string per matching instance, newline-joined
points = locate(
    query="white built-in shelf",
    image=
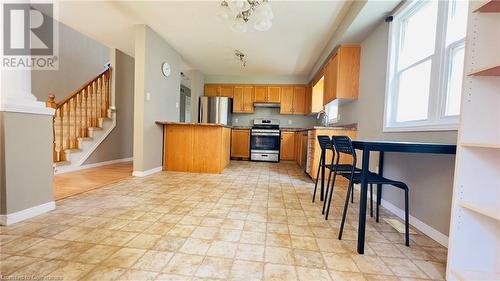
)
(481, 145)
(475, 275)
(492, 71)
(493, 214)
(492, 6)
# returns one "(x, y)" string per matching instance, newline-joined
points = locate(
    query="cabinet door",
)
(273, 94)
(226, 91)
(348, 72)
(299, 100)
(286, 100)
(330, 80)
(211, 90)
(260, 94)
(287, 151)
(238, 99)
(240, 143)
(248, 97)
(334, 76)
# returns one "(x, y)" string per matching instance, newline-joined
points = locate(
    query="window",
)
(332, 111)
(426, 60)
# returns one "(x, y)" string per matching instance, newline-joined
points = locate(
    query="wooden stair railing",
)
(78, 112)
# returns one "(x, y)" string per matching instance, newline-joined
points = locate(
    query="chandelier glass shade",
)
(241, 13)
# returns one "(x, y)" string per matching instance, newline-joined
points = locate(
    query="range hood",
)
(265, 104)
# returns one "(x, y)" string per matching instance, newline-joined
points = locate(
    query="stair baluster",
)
(79, 112)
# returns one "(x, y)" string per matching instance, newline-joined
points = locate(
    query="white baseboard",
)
(94, 165)
(147, 172)
(27, 213)
(418, 224)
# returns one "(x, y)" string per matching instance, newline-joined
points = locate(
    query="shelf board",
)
(492, 71)
(475, 275)
(492, 6)
(480, 145)
(480, 210)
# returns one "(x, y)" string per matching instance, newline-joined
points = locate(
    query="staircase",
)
(82, 121)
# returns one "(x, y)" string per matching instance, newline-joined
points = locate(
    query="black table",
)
(381, 147)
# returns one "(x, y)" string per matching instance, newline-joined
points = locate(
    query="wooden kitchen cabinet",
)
(211, 90)
(260, 93)
(273, 94)
(293, 100)
(286, 98)
(287, 150)
(243, 99)
(226, 91)
(341, 74)
(218, 90)
(240, 144)
(299, 100)
(301, 148)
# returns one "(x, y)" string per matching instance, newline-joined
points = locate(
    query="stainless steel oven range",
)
(265, 140)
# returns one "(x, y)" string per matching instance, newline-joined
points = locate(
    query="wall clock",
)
(165, 69)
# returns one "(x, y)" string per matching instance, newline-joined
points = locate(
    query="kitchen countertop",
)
(191, 124)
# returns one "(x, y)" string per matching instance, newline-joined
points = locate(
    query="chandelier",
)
(240, 13)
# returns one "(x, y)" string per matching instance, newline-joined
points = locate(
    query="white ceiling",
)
(300, 32)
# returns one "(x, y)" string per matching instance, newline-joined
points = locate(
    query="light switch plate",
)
(289, 122)
(148, 96)
(176, 105)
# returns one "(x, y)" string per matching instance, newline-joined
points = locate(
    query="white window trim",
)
(437, 120)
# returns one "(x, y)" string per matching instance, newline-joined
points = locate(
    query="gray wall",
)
(25, 164)
(297, 121)
(430, 177)
(197, 80)
(80, 59)
(119, 143)
(150, 52)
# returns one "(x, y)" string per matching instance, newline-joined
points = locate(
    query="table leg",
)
(362, 202)
(323, 156)
(380, 172)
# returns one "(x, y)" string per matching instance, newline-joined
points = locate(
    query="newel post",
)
(51, 102)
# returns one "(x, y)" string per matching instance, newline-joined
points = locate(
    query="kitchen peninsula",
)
(199, 148)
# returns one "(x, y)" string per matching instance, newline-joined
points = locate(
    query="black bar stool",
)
(336, 169)
(325, 143)
(343, 144)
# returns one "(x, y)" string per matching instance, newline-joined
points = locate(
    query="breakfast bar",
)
(197, 148)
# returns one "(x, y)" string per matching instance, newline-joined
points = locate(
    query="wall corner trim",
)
(418, 224)
(147, 172)
(12, 218)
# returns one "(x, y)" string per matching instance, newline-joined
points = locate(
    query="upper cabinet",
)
(243, 97)
(341, 75)
(293, 100)
(215, 90)
(317, 93)
(211, 90)
(267, 94)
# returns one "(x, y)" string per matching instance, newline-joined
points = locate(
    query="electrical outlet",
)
(148, 96)
(176, 105)
(289, 122)
(236, 120)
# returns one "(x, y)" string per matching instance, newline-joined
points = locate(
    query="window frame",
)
(441, 64)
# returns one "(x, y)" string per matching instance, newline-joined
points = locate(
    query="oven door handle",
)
(266, 134)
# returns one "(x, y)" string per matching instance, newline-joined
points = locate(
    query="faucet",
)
(324, 121)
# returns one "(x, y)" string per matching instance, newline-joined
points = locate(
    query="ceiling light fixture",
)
(241, 57)
(238, 13)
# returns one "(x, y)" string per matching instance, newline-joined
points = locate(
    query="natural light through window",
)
(427, 41)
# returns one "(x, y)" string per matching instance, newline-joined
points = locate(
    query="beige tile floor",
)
(253, 222)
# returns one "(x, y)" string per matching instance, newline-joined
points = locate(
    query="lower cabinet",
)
(287, 149)
(240, 144)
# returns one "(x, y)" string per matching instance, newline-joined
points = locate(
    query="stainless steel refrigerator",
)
(217, 110)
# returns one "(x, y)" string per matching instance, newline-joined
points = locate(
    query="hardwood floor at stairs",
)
(69, 184)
